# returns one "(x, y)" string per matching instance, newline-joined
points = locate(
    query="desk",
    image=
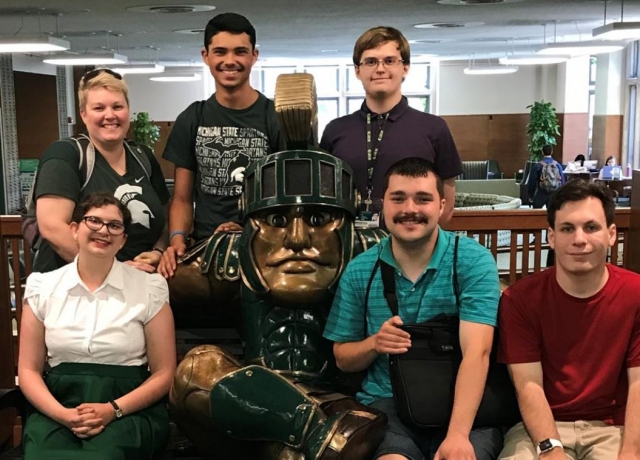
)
(588, 176)
(620, 187)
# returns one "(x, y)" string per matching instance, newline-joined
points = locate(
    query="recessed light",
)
(171, 9)
(447, 25)
(189, 31)
(476, 2)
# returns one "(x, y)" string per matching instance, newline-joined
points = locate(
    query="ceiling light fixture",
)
(177, 78)
(490, 70)
(138, 69)
(33, 45)
(617, 30)
(86, 59)
(580, 48)
(532, 60)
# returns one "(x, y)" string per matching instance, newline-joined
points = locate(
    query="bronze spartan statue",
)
(284, 402)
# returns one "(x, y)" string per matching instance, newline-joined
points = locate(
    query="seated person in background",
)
(580, 158)
(571, 338)
(422, 256)
(607, 170)
(104, 331)
(546, 178)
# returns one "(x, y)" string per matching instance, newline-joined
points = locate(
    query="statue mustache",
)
(283, 256)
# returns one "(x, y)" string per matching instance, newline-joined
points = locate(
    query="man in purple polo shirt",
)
(386, 130)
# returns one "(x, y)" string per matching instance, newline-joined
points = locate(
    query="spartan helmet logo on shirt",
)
(140, 212)
(236, 169)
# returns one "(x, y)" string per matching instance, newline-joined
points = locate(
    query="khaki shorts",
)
(581, 440)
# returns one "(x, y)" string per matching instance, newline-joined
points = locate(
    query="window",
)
(340, 92)
(327, 111)
(632, 121)
(593, 64)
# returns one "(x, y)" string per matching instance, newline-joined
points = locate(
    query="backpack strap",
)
(389, 286)
(456, 287)
(141, 156)
(194, 135)
(87, 158)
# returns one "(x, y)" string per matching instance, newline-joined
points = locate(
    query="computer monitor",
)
(607, 172)
(591, 164)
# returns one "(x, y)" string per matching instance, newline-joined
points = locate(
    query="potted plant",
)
(542, 128)
(145, 131)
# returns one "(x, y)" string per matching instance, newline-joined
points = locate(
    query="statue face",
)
(298, 251)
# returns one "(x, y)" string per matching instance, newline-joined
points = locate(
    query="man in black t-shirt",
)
(213, 141)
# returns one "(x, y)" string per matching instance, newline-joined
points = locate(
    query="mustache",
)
(410, 217)
(238, 67)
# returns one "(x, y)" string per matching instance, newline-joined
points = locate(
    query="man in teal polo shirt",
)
(422, 255)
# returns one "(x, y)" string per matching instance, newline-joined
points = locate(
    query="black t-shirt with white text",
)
(226, 142)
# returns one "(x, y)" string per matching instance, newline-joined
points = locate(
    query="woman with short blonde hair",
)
(128, 171)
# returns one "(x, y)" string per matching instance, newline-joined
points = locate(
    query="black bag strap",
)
(389, 284)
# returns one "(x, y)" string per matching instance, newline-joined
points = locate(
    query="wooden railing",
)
(526, 244)
(525, 251)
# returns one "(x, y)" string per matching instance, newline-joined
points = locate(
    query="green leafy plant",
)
(145, 131)
(542, 128)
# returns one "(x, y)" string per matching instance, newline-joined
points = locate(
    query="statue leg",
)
(257, 404)
(196, 374)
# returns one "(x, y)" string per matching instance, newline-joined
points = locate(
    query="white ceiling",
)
(312, 29)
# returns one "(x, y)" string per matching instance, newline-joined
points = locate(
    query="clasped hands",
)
(88, 419)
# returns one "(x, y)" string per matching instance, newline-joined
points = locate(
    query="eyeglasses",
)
(90, 75)
(372, 63)
(93, 223)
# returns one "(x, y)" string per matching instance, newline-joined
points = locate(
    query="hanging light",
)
(86, 59)
(33, 45)
(574, 49)
(532, 60)
(138, 69)
(490, 70)
(182, 77)
(617, 30)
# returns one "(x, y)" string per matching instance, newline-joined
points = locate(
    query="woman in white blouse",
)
(97, 348)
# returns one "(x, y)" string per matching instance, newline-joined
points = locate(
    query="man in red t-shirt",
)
(571, 338)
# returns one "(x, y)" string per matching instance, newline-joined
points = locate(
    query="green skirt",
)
(137, 436)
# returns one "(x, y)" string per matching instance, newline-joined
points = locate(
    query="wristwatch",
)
(547, 445)
(119, 413)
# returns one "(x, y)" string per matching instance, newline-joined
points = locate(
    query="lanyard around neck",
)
(372, 152)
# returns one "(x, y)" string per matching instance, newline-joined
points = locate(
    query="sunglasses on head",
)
(90, 75)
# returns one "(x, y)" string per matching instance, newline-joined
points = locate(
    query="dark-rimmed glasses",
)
(389, 61)
(94, 223)
(90, 75)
